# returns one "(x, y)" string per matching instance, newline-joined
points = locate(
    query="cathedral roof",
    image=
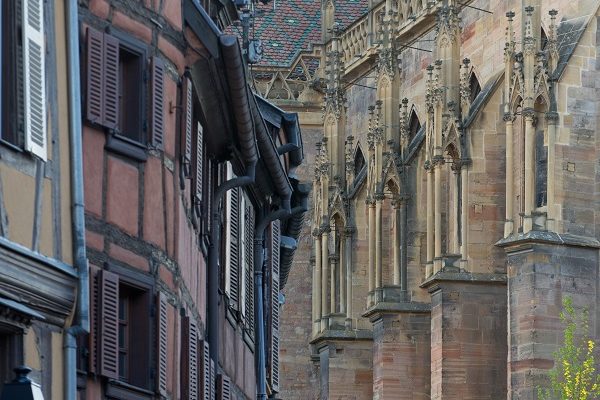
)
(296, 24)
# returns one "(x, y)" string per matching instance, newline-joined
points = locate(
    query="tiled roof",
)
(296, 24)
(348, 11)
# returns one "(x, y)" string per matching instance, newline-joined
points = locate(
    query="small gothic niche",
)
(543, 39)
(359, 161)
(413, 125)
(474, 87)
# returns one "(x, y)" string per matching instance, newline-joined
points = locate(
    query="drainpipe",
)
(282, 213)
(82, 319)
(213, 257)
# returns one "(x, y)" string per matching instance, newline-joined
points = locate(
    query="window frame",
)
(134, 146)
(117, 141)
(145, 287)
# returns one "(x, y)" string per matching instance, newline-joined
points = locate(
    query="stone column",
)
(333, 260)
(455, 210)
(324, 277)
(397, 242)
(371, 205)
(430, 240)
(379, 244)
(552, 121)
(437, 169)
(404, 244)
(464, 215)
(317, 283)
(509, 224)
(348, 260)
(342, 271)
(529, 170)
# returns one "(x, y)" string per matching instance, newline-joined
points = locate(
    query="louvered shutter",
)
(199, 164)
(233, 261)
(111, 82)
(158, 83)
(249, 255)
(223, 387)
(34, 71)
(188, 113)
(190, 385)
(109, 319)
(95, 74)
(275, 243)
(212, 380)
(94, 325)
(205, 370)
(162, 352)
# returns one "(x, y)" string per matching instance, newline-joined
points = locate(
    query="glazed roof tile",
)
(295, 25)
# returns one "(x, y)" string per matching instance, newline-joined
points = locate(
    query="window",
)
(22, 78)
(11, 354)
(122, 335)
(134, 313)
(131, 93)
(117, 76)
(12, 76)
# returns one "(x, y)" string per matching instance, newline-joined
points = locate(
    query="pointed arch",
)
(543, 38)
(474, 86)
(359, 160)
(414, 124)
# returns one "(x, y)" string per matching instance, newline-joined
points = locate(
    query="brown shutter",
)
(162, 330)
(188, 113)
(95, 73)
(249, 267)
(205, 373)
(234, 249)
(94, 324)
(109, 319)
(158, 83)
(189, 385)
(223, 387)
(111, 82)
(199, 164)
(275, 243)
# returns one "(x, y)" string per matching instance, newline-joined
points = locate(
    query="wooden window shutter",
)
(205, 373)
(275, 247)
(249, 254)
(188, 114)
(111, 82)
(199, 165)
(190, 384)
(212, 381)
(94, 323)
(233, 265)
(109, 320)
(95, 76)
(34, 77)
(162, 352)
(158, 95)
(223, 387)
